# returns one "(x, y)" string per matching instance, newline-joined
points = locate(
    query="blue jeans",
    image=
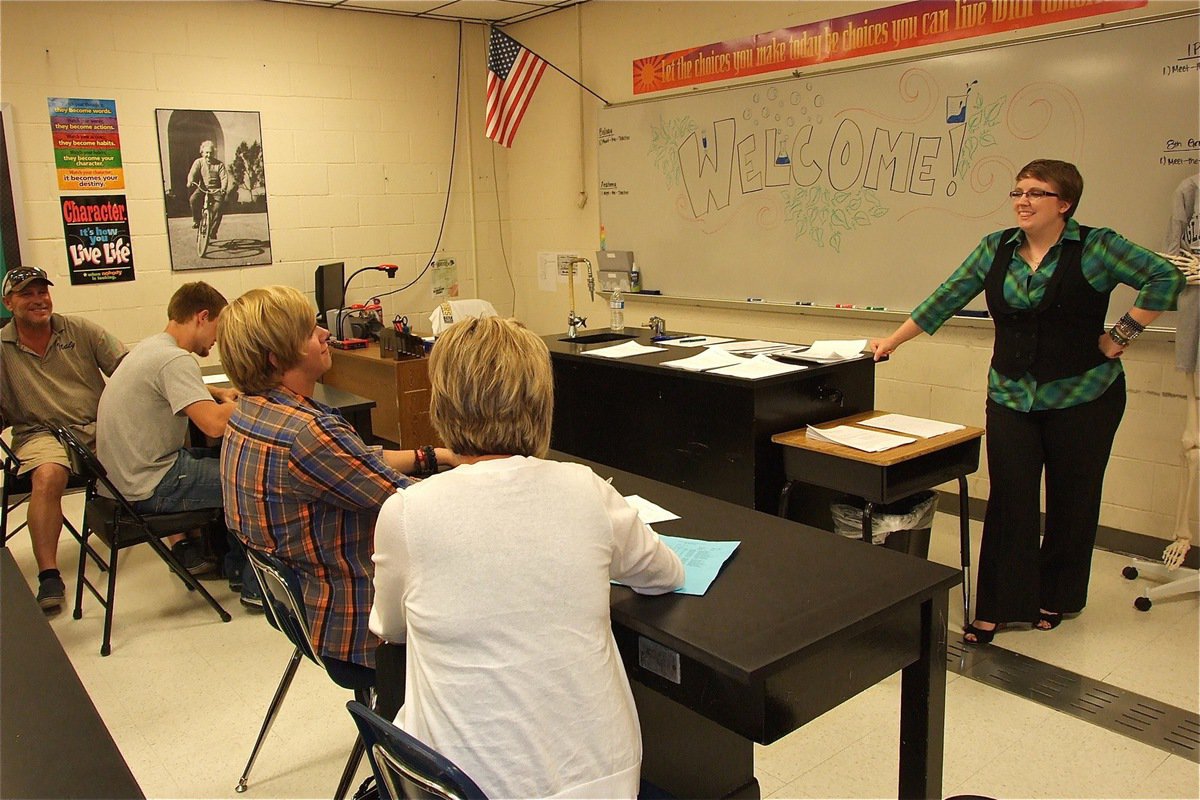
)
(192, 482)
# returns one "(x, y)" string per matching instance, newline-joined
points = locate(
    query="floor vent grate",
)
(1141, 718)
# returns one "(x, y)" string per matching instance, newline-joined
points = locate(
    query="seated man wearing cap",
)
(52, 373)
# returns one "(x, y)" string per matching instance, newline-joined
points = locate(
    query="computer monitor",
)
(330, 278)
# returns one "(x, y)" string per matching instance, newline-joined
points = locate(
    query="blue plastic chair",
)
(407, 768)
(283, 604)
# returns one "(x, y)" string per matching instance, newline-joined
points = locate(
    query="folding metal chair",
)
(407, 768)
(18, 488)
(283, 604)
(120, 525)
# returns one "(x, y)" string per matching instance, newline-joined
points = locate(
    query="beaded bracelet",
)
(431, 462)
(1118, 337)
(1130, 326)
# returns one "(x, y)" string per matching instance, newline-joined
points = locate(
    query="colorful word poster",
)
(99, 248)
(87, 147)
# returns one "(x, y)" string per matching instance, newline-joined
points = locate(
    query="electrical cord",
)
(450, 183)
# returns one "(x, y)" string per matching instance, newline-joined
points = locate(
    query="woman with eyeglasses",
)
(1056, 389)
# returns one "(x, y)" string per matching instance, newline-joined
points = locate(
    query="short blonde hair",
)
(492, 389)
(272, 321)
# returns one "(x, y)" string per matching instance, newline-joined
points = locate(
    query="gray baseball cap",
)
(19, 278)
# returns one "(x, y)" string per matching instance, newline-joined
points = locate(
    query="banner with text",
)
(882, 30)
(99, 248)
(87, 146)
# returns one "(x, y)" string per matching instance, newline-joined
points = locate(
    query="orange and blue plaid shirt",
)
(301, 484)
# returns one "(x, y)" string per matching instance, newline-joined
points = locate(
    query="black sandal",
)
(981, 636)
(1048, 620)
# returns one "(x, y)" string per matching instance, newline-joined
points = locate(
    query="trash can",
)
(904, 525)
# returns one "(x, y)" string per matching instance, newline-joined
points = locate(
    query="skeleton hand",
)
(1175, 552)
(1187, 263)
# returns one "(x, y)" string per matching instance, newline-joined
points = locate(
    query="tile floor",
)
(184, 695)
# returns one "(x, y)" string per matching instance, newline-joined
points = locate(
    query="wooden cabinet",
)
(400, 390)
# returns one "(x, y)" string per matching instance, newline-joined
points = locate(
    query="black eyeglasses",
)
(1032, 194)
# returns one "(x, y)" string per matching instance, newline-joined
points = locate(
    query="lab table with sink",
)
(707, 433)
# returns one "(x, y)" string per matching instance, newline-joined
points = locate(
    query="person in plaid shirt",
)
(1056, 389)
(298, 481)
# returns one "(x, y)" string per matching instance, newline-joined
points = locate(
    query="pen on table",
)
(692, 339)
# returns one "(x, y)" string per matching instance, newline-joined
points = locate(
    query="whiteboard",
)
(870, 186)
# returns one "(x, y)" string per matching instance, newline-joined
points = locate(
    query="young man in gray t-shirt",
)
(142, 424)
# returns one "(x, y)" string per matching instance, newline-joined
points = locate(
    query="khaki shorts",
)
(39, 449)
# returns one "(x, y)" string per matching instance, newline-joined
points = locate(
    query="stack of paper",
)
(916, 426)
(832, 350)
(867, 441)
(710, 358)
(757, 367)
(754, 347)
(624, 350)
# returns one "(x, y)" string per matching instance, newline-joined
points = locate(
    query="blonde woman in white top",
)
(497, 575)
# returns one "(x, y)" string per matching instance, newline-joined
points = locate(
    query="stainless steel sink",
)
(596, 338)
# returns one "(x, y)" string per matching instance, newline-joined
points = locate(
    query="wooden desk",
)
(400, 390)
(797, 622)
(886, 476)
(704, 432)
(55, 744)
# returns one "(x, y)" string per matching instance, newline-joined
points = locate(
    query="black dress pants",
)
(1017, 576)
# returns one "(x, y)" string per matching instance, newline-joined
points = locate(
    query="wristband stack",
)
(1126, 330)
(426, 461)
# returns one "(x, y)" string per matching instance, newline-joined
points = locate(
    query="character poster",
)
(99, 248)
(214, 188)
(87, 143)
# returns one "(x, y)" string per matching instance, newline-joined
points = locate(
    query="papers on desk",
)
(709, 358)
(830, 350)
(702, 560)
(696, 341)
(867, 441)
(914, 426)
(624, 350)
(760, 366)
(219, 377)
(650, 513)
(754, 347)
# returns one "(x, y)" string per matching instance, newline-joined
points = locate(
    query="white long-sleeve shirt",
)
(497, 574)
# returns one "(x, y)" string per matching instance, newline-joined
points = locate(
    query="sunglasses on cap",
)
(19, 278)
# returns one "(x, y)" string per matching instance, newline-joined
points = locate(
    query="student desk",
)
(704, 432)
(797, 622)
(55, 743)
(886, 476)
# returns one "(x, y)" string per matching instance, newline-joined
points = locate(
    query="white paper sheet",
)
(754, 347)
(867, 441)
(757, 367)
(833, 350)
(709, 358)
(624, 350)
(914, 426)
(648, 511)
(697, 341)
(219, 377)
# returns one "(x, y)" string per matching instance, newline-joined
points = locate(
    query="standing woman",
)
(1056, 388)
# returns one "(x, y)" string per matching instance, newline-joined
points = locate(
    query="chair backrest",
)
(405, 767)
(85, 464)
(283, 600)
(10, 458)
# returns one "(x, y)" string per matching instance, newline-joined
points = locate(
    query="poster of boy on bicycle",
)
(214, 188)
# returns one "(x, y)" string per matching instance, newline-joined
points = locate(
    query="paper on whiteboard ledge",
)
(915, 426)
(867, 441)
(624, 350)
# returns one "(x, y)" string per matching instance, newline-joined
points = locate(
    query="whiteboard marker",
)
(844, 305)
(753, 299)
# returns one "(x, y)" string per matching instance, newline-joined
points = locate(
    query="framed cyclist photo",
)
(214, 188)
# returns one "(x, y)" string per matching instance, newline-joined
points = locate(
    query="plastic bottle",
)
(635, 279)
(616, 310)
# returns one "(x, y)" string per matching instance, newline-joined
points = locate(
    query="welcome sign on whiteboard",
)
(870, 186)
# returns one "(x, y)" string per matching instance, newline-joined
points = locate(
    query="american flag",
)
(513, 74)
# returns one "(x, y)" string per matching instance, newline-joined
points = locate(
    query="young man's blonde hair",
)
(273, 321)
(492, 389)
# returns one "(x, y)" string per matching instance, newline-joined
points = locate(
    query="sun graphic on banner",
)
(647, 74)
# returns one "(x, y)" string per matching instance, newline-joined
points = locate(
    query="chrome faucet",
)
(574, 321)
(657, 326)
